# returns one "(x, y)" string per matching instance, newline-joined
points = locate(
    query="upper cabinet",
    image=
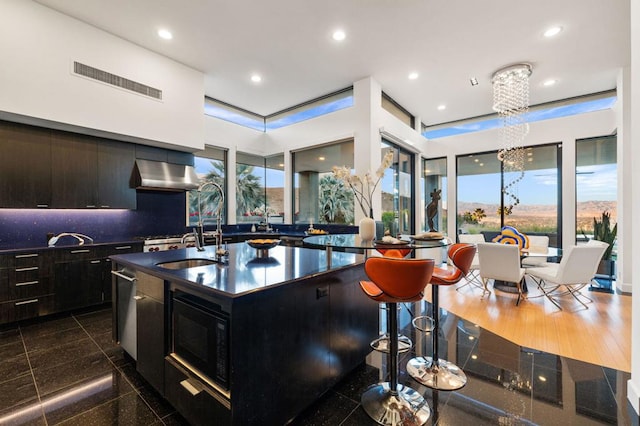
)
(43, 168)
(90, 172)
(25, 166)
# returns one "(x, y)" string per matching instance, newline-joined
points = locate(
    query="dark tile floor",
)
(66, 370)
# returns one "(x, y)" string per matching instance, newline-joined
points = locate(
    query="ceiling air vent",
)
(116, 80)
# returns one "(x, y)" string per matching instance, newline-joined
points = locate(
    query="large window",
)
(259, 188)
(397, 191)
(482, 207)
(434, 190)
(596, 182)
(479, 188)
(319, 197)
(210, 166)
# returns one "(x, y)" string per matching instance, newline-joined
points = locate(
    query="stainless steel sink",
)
(185, 263)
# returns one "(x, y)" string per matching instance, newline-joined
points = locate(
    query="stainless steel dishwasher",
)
(124, 308)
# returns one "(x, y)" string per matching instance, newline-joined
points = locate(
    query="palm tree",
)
(249, 191)
(335, 201)
(209, 199)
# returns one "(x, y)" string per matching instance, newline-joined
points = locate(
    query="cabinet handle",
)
(105, 207)
(22, 256)
(193, 390)
(138, 297)
(123, 276)
(26, 302)
(90, 206)
(95, 261)
(123, 248)
(30, 268)
(42, 206)
(80, 251)
(26, 283)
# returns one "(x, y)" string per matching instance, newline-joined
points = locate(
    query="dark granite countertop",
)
(30, 245)
(244, 273)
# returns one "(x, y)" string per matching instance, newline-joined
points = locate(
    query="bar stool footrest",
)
(443, 375)
(404, 407)
(381, 344)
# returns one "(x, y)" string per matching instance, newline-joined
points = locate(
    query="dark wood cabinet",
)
(25, 286)
(25, 166)
(193, 399)
(77, 278)
(45, 168)
(115, 165)
(82, 274)
(150, 329)
(74, 175)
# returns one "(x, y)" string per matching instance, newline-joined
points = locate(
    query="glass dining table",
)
(354, 244)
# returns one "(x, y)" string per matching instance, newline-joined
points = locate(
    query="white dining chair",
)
(473, 277)
(575, 271)
(501, 262)
(537, 244)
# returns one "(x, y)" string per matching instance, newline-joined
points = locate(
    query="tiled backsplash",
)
(158, 213)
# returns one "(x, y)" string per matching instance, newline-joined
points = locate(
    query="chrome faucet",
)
(199, 232)
(80, 237)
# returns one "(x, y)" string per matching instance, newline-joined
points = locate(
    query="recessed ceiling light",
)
(321, 158)
(550, 32)
(165, 34)
(413, 75)
(339, 35)
(442, 107)
(256, 78)
(550, 82)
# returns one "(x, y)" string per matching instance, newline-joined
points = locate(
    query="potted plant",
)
(602, 231)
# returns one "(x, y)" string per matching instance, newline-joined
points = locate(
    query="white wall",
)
(38, 47)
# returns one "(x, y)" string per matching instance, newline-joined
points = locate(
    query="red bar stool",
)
(432, 371)
(381, 344)
(395, 280)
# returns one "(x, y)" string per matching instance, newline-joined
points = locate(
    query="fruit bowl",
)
(263, 243)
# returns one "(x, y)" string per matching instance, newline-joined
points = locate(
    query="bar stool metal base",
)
(381, 344)
(404, 407)
(444, 375)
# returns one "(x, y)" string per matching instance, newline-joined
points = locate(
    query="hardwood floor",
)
(599, 335)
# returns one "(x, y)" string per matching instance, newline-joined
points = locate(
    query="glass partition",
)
(318, 196)
(434, 192)
(210, 166)
(479, 183)
(596, 182)
(259, 188)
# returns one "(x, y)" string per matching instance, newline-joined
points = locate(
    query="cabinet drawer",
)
(76, 253)
(26, 260)
(17, 310)
(194, 400)
(29, 288)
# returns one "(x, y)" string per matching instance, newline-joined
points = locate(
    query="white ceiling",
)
(289, 43)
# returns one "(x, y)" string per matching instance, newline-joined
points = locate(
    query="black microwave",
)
(200, 336)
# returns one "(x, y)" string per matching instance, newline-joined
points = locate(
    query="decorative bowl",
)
(263, 243)
(311, 232)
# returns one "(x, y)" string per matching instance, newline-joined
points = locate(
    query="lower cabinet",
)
(25, 286)
(78, 278)
(150, 329)
(192, 399)
(82, 274)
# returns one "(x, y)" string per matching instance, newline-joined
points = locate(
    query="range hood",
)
(160, 175)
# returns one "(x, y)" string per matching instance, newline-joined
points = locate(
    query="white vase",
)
(367, 229)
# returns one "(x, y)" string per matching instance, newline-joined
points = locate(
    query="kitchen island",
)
(255, 340)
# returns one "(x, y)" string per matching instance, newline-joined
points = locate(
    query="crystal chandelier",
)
(511, 102)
